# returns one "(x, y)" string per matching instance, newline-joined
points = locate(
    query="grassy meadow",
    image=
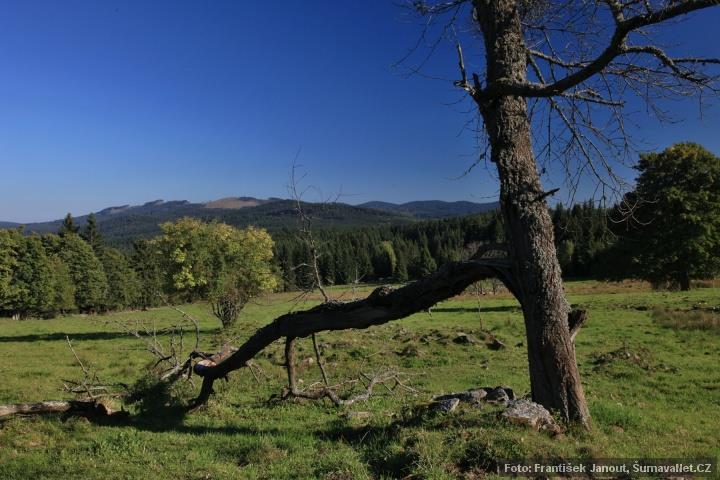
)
(649, 364)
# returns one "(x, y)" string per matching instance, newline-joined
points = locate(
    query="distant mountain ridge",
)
(235, 202)
(428, 209)
(123, 224)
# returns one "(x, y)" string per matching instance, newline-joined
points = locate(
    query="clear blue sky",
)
(105, 103)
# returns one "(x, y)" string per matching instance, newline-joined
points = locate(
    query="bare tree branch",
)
(616, 48)
(383, 305)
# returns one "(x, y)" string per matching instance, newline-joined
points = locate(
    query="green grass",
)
(696, 319)
(653, 390)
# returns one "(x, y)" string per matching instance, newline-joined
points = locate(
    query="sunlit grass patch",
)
(698, 319)
(652, 391)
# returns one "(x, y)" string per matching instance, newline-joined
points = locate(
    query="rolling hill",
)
(428, 209)
(122, 224)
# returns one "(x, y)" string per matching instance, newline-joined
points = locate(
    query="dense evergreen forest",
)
(69, 271)
(122, 225)
(76, 270)
(406, 252)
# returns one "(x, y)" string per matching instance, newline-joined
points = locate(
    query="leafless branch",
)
(616, 48)
(381, 306)
(331, 391)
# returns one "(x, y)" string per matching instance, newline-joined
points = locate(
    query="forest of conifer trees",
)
(76, 271)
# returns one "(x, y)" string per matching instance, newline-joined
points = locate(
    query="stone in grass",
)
(499, 395)
(476, 396)
(449, 396)
(466, 339)
(445, 404)
(535, 416)
(494, 343)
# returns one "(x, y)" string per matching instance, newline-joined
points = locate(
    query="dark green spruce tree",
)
(147, 266)
(63, 287)
(91, 234)
(68, 226)
(123, 286)
(34, 279)
(86, 272)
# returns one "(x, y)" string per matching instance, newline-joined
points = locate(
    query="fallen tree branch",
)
(320, 362)
(330, 391)
(383, 305)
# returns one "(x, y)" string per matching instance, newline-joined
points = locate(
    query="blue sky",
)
(106, 103)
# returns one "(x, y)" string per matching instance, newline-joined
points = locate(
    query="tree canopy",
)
(224, 264)
(86, 272)
(673, 228)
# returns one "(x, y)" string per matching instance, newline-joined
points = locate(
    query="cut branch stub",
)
(576, 319)
(206, 364)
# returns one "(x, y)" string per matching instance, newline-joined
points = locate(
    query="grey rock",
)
(498, 395)
(448, 396)
(494, 344)
(445, 405)
(535, 416)
(509, 392)
(471, 396)
(476, 396)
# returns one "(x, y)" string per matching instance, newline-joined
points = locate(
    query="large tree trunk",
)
(684, 282)
(554, 377)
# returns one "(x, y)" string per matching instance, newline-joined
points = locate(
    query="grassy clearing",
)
(654, 390)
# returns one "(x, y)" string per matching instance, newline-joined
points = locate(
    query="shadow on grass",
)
(172, 420)
(379, 444)
(373, 443)
(502, 308)
(60, 336)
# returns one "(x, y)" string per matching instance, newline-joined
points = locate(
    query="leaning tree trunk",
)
(554, 376)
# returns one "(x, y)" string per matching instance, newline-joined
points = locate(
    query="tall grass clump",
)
(687, 319)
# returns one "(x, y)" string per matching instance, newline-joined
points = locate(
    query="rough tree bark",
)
(554, 377)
